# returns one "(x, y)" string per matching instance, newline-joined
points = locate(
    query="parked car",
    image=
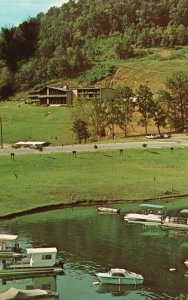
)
(158, 136)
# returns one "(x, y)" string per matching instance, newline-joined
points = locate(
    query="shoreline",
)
(83, 203)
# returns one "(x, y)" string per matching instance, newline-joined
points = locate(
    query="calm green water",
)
(89, 243)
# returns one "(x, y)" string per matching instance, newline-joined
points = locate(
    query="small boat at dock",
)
(37, 261)
(9, 246)
(108, 210)
(150, 213)
(120, 276)
(178, 222)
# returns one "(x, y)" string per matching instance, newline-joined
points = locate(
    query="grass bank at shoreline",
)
(31, 182)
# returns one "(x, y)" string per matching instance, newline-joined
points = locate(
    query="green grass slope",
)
(25, 122)
(32, 181)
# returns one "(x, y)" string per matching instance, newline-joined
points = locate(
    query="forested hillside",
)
(88, 40)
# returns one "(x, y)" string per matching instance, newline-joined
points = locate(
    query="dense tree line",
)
(167, 108)
(69, 39)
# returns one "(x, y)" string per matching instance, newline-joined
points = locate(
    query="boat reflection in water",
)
(39, 282)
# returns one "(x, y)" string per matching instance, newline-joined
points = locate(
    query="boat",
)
(120, 276)
(37, 261)
(150, 213)
(9, 246)
(186, 262)
(20, 294)
(108, 210)
(178, 222)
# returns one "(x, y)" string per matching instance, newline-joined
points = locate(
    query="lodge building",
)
(57, 96)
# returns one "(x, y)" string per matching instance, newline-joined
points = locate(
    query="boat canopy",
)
(117, 270)
(149, 205)
(41, 250)
(8, 237)
(184, 211)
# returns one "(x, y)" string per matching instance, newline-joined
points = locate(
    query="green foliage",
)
(74, 38)
(6, 84)
(177, 86)
(98, 73)
(19, 43)
(126, 106)
(124, 50)
(144, 99)
(80, 128)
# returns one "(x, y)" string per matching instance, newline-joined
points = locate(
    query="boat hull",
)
(29, 271)
(174, 226)
(120, 280)
(108, 210)
(142, 218)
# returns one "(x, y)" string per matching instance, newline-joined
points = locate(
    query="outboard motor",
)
(61, 264)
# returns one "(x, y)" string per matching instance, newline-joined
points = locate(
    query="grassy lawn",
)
(32, 181)
(27, 122)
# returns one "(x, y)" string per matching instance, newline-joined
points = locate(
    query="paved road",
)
(172, 143)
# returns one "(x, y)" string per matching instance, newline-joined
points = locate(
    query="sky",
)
(14, 12)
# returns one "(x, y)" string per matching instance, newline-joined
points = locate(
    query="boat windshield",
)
(118, 275)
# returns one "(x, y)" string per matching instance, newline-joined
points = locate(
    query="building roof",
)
(65, 89)
(30, 143)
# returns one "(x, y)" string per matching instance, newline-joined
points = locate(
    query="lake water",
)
(89, 243)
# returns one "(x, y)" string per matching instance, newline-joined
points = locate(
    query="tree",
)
(80, 118)
(124, 50)
(80, 128)
(177, 86)
(112, 115)
(160, 114)
(7, 87)
(9, 47)
(144, 99)
(98, 108)
(126, 106)
(29, 33)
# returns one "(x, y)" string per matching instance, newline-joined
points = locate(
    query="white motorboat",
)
(150, 213)
(9, 246)
(108, 210)
(178, 222)
(120, 276)
(186, 262)
(20, 294)
(36, 261)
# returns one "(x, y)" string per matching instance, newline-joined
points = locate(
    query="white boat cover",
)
(41, 250)
(8, 237)
(18, 294)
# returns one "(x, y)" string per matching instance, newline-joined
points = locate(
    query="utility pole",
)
(1, 132)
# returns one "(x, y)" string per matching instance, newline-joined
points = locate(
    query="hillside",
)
(91, 40)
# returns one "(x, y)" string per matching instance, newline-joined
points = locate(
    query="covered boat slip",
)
(36, 261)
(9, 246)
(150, 213)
